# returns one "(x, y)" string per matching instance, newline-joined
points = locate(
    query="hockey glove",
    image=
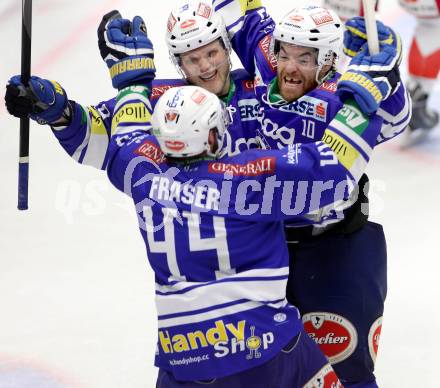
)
(43, 101)
(370, 79)
(355, 36)
(127, 50)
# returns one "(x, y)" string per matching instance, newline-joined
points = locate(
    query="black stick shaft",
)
(23, 166)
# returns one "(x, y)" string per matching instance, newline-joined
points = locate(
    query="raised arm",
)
(395, 108)
(249, 29)
(82, 131)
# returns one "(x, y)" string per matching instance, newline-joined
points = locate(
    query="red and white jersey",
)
(424, 53)
(422, 8)
(345, 9)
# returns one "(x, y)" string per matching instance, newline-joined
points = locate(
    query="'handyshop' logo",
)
(225, 338)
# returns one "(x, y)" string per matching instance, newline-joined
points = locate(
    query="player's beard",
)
(294, 85)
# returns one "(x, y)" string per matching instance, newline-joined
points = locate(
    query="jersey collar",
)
(226, 98)
(274, 92)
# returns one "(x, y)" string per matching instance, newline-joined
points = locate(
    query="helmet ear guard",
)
(314, 27)
(182, 121)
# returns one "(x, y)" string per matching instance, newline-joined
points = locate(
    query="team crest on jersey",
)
(150, 151)
(374, 338)
(268, 56)
(335, 335)
(322, 17)
(325, 378)
(204, 10)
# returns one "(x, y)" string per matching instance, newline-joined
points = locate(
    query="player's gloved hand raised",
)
(355, 36)
(127, 50)
(42, 100)
(370, 79)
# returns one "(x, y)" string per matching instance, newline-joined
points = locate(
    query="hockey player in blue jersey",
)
(223, 319)
(220, 291)
(338, 266)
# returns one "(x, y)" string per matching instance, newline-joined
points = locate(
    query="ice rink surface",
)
(76, 291)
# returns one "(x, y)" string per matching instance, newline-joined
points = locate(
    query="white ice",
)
(76, 291)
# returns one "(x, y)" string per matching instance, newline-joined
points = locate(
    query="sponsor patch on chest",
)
(309, 107)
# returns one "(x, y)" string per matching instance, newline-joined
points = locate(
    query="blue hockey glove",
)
(355, 35)
(43, 101)
(127, 50)
(370, 79)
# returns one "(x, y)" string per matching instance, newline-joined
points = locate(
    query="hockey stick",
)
(23, 164)
(370, 25)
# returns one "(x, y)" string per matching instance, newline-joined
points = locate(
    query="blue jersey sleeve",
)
(396, 114)
(130, 127)
(249, 29)
(87, 137)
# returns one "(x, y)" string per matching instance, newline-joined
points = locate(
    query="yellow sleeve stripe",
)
(97, 127)
(344, 151)
(132, 113)
(249, 5)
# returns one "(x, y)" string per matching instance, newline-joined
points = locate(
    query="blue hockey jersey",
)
(213, 232)
(305, 119)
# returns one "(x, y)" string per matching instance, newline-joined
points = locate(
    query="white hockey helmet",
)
(194, 24)
(314, 27)
(183, 118)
